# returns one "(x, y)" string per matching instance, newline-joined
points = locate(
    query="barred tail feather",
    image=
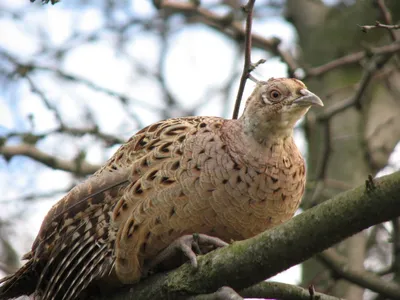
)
(90, 270)
(54, 286)
(74, 246)
(67, 262)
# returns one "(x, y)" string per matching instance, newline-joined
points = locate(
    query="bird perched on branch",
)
(175, 183)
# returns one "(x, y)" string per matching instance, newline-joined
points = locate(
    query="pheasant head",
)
(275, 106)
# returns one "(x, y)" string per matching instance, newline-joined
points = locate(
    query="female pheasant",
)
(229, 179)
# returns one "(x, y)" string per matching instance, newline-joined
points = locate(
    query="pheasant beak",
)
(308, 99)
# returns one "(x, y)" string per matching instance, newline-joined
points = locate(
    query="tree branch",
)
(248, 8)
(351, 59)
(278, 290)
(77, 166)
(377, 25)
(230, 28)
(339, 265)
(248, 262)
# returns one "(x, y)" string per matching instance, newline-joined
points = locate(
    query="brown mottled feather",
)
(231, 179)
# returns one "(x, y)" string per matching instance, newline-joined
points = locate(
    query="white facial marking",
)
(265, 99)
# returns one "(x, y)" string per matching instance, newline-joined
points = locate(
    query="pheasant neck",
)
(266, 133)
(252, 147)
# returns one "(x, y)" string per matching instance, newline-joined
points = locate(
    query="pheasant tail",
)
(74, 245)
(22, 282)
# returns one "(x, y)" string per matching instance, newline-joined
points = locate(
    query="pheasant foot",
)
(188, 245)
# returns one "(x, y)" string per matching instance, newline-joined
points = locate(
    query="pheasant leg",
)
(188, 245)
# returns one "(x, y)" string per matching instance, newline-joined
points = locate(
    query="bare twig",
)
(248, 8)
(33, 138)
(351, 59)
(110, 140)
(378, 24)
(387, 17)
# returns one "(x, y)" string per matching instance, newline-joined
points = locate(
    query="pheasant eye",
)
(275, 95)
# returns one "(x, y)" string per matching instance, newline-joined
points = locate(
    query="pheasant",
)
(219, 179)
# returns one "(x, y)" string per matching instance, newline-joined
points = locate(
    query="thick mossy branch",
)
(248, 262)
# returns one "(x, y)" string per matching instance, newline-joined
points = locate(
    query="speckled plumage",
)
(231, 179)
